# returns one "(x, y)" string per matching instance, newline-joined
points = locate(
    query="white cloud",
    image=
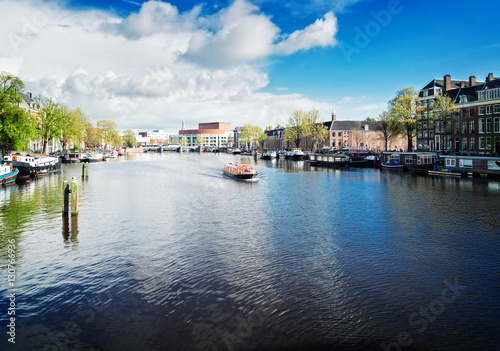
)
(157, 66)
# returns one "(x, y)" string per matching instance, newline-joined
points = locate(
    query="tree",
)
(370, 119)
(403, 112)
(385, 126)
(129, 138)
(262, 139)
(17, 126)
(74, 127)
(316, 129)
(250, 135)
(51, 123)
(184, 141)
(356, 135)
(109, 130)
(200, 140)
(441, 111)
(297, 127)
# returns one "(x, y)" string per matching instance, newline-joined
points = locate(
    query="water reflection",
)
(175, 256)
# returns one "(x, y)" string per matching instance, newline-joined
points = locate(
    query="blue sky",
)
(151, 64)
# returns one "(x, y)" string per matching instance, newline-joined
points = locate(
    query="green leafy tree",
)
(262, 139)
(200, 140)
(17, 126)
(51, 122)
(250, 135)
(184, 141)
(129, 138)
(74, 127)
(403, 112)
(297, 127)
(109, 130)
(316, 129)
(370, 119)
(441, 111)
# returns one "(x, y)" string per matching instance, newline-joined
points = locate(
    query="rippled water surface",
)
(168, 254)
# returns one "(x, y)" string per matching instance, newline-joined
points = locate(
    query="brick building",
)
(474, 129)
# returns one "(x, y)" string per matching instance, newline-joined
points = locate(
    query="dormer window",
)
(464, 99)
(425, 93)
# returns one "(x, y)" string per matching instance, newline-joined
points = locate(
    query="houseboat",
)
(240, 171)
(8, 174)
(328, 160)
(474, 165)
(32, 166)
(411, 161)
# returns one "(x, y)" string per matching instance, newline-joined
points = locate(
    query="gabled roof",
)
(471, 91)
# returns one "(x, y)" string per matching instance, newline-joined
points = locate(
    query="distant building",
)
(236, 136)
(360, 135)
(216, 134)
(157, 136)
(474, 129)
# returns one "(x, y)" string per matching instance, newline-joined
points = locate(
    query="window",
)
(462, 112)
(464, 127)
(471, 127)
(425, 93)
(472, 143)
(340, 134)
(464, 143)
(450, 162)
(456, 127)
(488, 125)
(496, 108)
(482, 125)
(465, 163)
(482, 143)
(496, 125)
(488, 143)
(481, 110)
(471, 113)
(408, 160)
(488, 110)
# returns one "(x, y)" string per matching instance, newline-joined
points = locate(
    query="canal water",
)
(166, 253)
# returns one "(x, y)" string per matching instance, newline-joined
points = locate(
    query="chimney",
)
(462, 84)
(334, 115)
(30, 95)
(490, 77)
(472, 80)
(447, 82)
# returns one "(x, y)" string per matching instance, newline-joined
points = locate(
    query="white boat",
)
(295, 155)
(94, 158)
(269, 155)
(33, 165)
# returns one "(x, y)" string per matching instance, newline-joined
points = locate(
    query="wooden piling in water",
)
(65, 197)
(85, 170)
(74, 197)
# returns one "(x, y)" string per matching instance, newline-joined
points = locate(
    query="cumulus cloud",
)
(156, 66)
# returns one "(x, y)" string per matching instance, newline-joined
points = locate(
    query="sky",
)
(152, 64)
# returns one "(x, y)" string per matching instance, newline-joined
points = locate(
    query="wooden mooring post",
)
(66, 197)
(85, 170)
(74, 197)
(70, 191)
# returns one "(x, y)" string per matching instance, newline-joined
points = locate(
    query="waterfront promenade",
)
(168, 254)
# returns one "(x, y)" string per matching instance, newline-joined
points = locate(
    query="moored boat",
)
(8, 174)
(31, 166)
(240, 171)
(392, 165)
(296, 155)
(269, 155)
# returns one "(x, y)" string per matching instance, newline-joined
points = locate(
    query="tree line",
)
(47, 120)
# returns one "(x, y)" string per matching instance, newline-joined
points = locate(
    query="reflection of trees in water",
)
(23, 203)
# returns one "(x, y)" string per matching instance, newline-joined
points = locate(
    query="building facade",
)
(216, 134)
(473, 130)
(359, 135)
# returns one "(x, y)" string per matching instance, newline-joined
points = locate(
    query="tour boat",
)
(31, 166)
(8, 174)
(240, 171)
